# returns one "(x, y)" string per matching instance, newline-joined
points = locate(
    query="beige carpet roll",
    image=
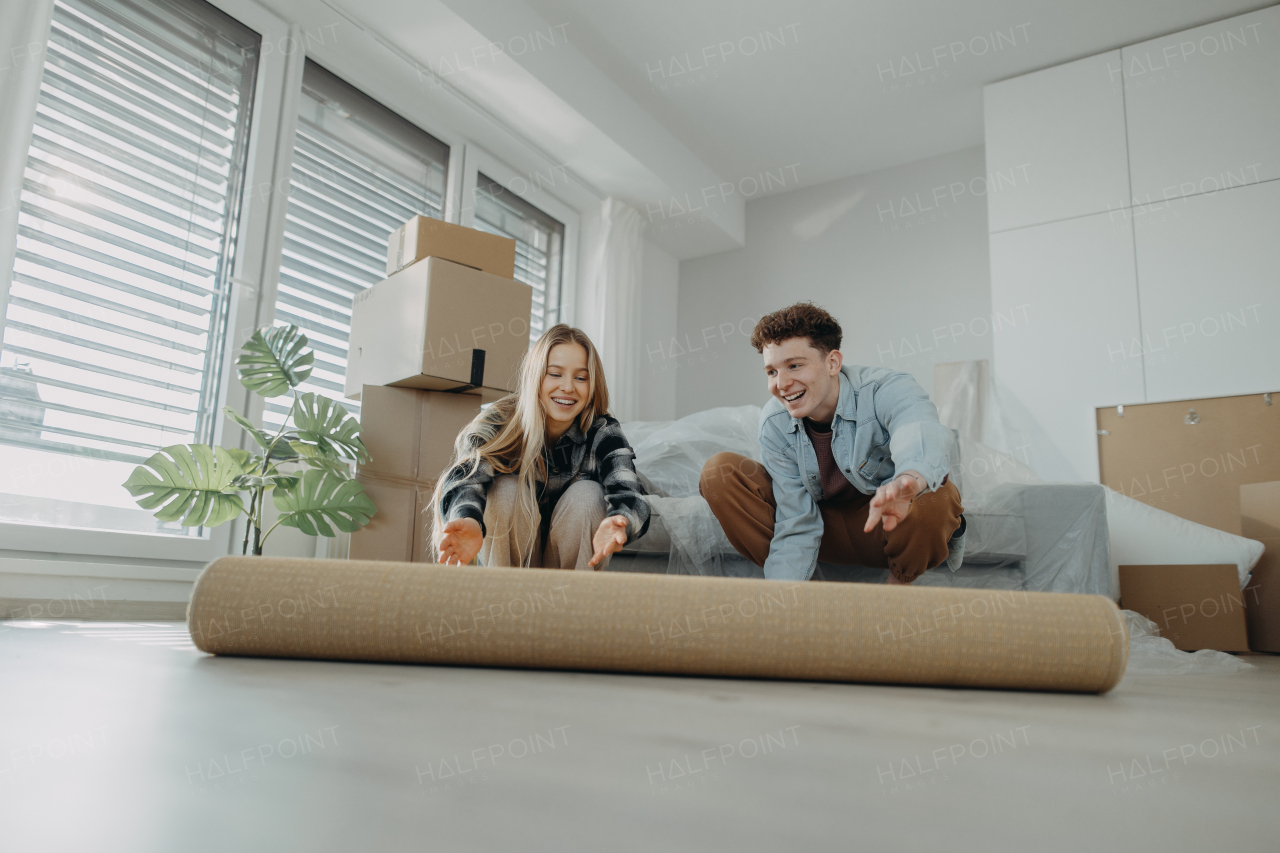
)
(622, 622)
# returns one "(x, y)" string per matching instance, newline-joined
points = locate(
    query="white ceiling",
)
(833, 99)
(827, 98)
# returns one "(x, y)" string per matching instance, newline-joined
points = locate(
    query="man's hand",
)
(461, 541)
(892, 501)
(609, 539)
(892, 581)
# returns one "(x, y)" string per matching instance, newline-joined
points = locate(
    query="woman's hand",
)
(461, 541)
(892, 501)
(609, 539)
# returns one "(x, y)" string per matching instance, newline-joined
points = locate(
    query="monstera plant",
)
(195, 484)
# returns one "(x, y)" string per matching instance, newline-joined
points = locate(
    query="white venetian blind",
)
(539, 246)
(359, 172)
(116, 318)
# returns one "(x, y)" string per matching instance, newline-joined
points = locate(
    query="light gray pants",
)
(574, 521)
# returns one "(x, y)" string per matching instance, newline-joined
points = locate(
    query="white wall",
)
(899, 256)
(1148, 225)
(659, 292)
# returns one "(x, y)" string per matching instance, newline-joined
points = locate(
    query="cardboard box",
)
(1195, 606)
(439, 326)
(410, 433)
(423, 237)
(400, 530)
(1260, 520)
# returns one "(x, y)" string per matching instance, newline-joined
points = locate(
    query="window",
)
(359, 172)
(116, 321)
(539, 246)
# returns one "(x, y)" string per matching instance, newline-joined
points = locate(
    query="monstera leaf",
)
(320, 498)
(191, 483)
(246, 460)
(259, 436)
(274, 361)
(316, 458)
(328, 427)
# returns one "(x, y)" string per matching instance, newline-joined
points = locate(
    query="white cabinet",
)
(1074, 282)
(1203, 107)
(1209, 286)
(1055, 143)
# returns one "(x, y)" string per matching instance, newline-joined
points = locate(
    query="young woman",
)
(543, 477)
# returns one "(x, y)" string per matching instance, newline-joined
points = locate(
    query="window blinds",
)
(539, 246)
(116, 318)
(359, 172)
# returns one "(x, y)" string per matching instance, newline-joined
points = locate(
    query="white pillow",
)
(1143, 535)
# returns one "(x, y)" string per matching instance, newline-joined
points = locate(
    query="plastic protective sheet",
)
(670, 456)
(1151, 654)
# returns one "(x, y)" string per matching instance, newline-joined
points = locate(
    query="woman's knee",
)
(503, 488)
(501, 497)
(582, 503)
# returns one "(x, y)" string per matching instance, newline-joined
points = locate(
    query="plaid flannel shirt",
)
(602, 455)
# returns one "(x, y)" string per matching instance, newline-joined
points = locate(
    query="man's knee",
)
(932, 521)
(722, 471)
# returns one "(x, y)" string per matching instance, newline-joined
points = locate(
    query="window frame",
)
(257, 414)
(251, 232)
(369, 64)
(478, 161)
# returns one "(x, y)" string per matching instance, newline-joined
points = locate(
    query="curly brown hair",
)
(802, 320)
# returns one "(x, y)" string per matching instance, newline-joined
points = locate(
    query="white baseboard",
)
(32, 609)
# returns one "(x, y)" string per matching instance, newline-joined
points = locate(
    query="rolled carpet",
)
(623, 622)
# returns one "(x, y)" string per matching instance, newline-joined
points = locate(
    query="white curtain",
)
(610, 301)
(24, 27)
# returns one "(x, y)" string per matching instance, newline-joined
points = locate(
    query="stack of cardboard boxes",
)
(444, 333)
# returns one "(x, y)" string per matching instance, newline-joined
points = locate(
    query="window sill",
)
(58, 541)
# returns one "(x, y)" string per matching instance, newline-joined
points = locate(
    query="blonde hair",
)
(511, 434)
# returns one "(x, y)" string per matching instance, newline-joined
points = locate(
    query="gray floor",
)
(122, 737)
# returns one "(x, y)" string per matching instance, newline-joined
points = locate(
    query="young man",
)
(855, 463)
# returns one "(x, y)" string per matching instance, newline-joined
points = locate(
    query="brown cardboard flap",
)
(1260, 510)
(443, 417)
(391, 427)
(1195, 606)
(410, 433)
(400, 531)
(389, 535)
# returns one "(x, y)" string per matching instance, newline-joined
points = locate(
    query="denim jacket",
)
(884, 424)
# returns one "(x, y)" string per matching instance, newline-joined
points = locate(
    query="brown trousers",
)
(740, 493)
